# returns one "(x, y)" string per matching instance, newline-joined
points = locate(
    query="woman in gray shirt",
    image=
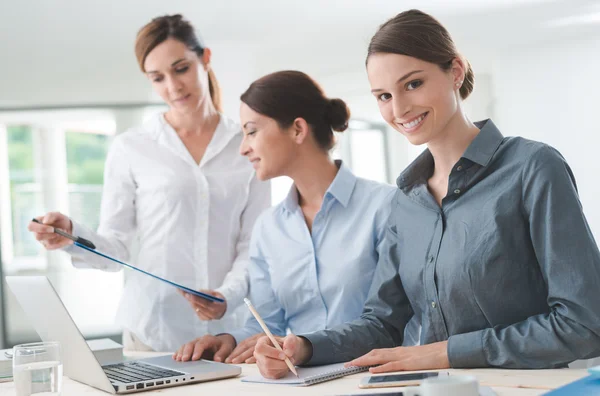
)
(487, 241)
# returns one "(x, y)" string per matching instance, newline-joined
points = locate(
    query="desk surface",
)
(504, 382)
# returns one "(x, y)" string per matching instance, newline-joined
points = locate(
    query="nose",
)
(173, 84)
(400, 107)
(244, 147)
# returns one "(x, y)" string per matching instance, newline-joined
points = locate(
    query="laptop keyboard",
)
(137, 372)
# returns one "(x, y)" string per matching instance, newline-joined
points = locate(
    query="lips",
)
(414, 123)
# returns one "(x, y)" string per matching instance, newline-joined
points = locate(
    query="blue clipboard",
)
(186, 289)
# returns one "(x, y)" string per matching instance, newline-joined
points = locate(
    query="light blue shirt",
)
(307, 282)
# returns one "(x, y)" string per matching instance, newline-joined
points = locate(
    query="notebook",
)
(186, 289)
(309, 375)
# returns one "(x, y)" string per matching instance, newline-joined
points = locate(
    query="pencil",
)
(268, 333)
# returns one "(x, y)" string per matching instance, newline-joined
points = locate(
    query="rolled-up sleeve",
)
(569, 261)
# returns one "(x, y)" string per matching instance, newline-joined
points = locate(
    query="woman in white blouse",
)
(178, 186)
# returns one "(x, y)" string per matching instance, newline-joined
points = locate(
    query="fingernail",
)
(218, 359)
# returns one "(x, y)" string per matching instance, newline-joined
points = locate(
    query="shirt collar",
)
(481, 150)
(340, 188)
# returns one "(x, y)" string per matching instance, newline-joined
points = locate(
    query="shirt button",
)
(459, 168)
(433, 304)
(431, 259)
(457, 191)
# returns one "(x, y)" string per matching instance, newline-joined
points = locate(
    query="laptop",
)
(49, 317)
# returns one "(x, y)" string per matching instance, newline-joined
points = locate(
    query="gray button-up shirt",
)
(506, 269)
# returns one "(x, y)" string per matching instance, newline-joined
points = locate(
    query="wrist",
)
(227, 339)
(305, 351)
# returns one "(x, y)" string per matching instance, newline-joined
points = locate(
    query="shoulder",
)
(375, 192)
(148, 130)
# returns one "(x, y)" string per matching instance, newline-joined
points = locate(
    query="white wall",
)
(552, 94)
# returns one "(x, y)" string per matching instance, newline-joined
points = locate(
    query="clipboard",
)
(186, 289)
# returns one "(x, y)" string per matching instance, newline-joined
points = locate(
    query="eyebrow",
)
(404, 77)
(172, 64)
(249, 122)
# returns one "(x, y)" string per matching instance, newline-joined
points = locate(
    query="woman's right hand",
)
(45, 232)
(212, 347)
(271, 362)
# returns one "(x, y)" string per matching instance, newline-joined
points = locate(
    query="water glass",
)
(38, 369)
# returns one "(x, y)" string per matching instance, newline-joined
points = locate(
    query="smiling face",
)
(415, 97)
(178, 75)
(270, 148)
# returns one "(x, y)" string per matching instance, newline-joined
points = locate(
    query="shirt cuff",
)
(322, 348)
(232, 298)
(466, 350)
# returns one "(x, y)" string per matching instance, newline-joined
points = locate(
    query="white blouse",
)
(189, 223)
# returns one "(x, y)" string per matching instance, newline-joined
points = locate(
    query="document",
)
(186, 289)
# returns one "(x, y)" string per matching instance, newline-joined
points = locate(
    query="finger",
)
(221, 353)
(290, 344)
(250, 360)
(270, 368)
(199, 301)
(201, 311)
(204, 308)
(51, 217)
(202, 316)
(388, 367)
(177, 354)
(375, 357)
(268, 351)
(192, 348)
(238, 350)
(243, 357)
(35, 227)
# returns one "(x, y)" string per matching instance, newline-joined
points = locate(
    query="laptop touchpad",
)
(167, 361)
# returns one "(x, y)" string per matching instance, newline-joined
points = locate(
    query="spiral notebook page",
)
(309, 375)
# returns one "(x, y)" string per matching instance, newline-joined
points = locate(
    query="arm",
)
(117, 215)
(382, 323)
(570, 264)
(235, 284)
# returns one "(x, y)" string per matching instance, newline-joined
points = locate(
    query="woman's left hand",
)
(207, 310)
(422, 357)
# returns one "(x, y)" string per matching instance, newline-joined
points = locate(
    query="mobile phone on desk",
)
(409, 379)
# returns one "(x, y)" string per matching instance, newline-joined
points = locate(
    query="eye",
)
(414, 84)
(384, 97)
(182, 70)
(251, 133)
(157, 79)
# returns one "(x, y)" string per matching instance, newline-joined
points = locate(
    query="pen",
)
(84, 242)
(268, 333)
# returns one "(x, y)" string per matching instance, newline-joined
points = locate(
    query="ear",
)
(300, 130)
(206, 56)
(458, 71)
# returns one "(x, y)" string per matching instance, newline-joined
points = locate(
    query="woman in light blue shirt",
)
(312, 257)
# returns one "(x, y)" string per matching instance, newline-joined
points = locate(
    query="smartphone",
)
(385, 381)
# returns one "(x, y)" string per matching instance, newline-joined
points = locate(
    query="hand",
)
(45, 232)
(244, 352)
(271, 362)
(422, 357)
(207, 347)
(206, 310)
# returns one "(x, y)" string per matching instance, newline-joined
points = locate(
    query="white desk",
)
(504, 382)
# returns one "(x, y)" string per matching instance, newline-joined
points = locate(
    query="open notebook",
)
(309, 375)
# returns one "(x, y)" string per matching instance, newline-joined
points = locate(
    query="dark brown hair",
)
(287, 95)
(166, 27)
(419, 35)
